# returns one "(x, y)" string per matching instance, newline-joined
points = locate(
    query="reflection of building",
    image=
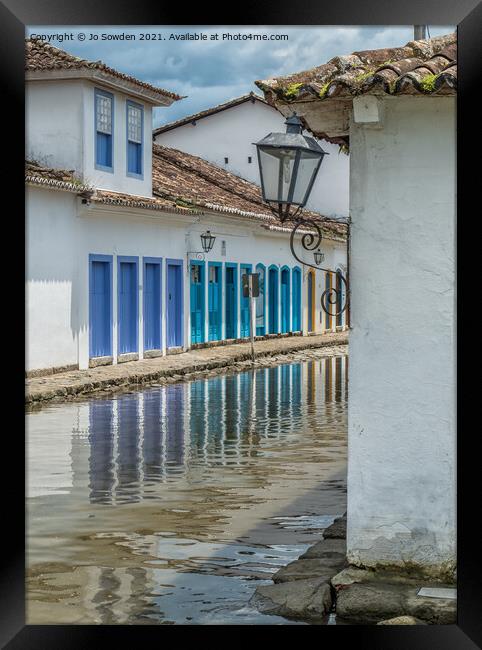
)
(397, 109)
(115, 266)
(129, 444)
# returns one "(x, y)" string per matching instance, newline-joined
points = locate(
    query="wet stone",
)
(373, 601)
(312, 568)
(303, 599)
(337, 530)
(402, 620)
(327, 549)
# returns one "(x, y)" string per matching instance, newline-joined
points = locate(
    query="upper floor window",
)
(104, 122)
(135, 125)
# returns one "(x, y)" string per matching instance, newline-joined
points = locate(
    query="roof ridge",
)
(38, 48)
(210, 111)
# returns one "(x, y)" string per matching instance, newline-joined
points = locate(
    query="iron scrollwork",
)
(335, 299)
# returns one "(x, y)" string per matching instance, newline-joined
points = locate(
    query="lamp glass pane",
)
(277, 169)
(306, 169)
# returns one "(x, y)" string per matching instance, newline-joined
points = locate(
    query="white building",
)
(115, 268)
(397, 107)
(225, 135)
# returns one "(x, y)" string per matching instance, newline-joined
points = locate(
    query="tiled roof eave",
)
(66, 186)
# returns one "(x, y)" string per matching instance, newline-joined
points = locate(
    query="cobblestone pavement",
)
(179, 367)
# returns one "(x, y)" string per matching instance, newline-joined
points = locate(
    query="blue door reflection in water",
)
(160, 433)
(171, 471)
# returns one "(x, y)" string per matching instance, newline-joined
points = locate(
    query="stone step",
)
(301, 599)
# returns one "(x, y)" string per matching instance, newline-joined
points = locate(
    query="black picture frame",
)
(467, 15)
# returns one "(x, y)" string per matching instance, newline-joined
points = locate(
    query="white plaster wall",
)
(402, 438)
(232, 132)
(60, 121)
(51, 316)
(53, 123)
(61, 233)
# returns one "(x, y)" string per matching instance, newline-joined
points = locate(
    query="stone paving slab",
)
(179, 367)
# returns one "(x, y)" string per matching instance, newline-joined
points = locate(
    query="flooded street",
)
(169, 505)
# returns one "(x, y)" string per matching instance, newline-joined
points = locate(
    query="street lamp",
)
(288, 165)
(207, 241)
(319, 257)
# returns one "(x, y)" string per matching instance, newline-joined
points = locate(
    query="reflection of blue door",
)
(214, 300)
(197, 302)
(285, 300)
(174, 303)
(244, 312)
(127, 318)
(152, 304)
(296, 301)
(273, 300)
(231, 295)
(100, 306)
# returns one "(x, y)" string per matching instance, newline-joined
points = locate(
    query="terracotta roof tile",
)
(41, 56)
(182, 183)
(425, 67)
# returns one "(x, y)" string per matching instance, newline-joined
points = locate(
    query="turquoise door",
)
(273, 300)
(285, 300)
(296, 301)
(197, 302)
(231, 294)
(215, 301)
(244, 311)
(260, 302)
(174, 320)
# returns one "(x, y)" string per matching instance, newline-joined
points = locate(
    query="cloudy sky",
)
(212, 71)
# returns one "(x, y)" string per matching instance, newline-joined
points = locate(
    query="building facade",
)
(397, 108)
(115, 267)
(225, 135)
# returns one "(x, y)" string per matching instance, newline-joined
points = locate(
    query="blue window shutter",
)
(104, 122)
(135, 138)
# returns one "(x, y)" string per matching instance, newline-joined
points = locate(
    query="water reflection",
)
(157, 435)
(170, 504)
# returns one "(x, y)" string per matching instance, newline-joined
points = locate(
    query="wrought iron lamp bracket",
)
(310, 241)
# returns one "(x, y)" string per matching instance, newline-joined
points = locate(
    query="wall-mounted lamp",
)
(319, 257)
(207, 241)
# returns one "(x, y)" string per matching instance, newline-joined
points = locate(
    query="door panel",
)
(285, 301)
(152, 306)
(214, 301)
(231, 302)
(127, 309)
(100, 310)
(174, 306)
(244, 311)
(273, 301)
(197, 303)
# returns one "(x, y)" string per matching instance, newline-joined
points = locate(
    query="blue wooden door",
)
(174, 305)
(214, 301)
(152, 306)
(310, 303)
(273, 300)
(285, 300)
(296, 301)
(244, 311)
(100, 309)
(260, 302)
(197, 303)
(231, 330)
(127, 307)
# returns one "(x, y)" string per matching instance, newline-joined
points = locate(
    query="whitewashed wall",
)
(231, 133)
(60, 133)
(61, 233)
(402, 438)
